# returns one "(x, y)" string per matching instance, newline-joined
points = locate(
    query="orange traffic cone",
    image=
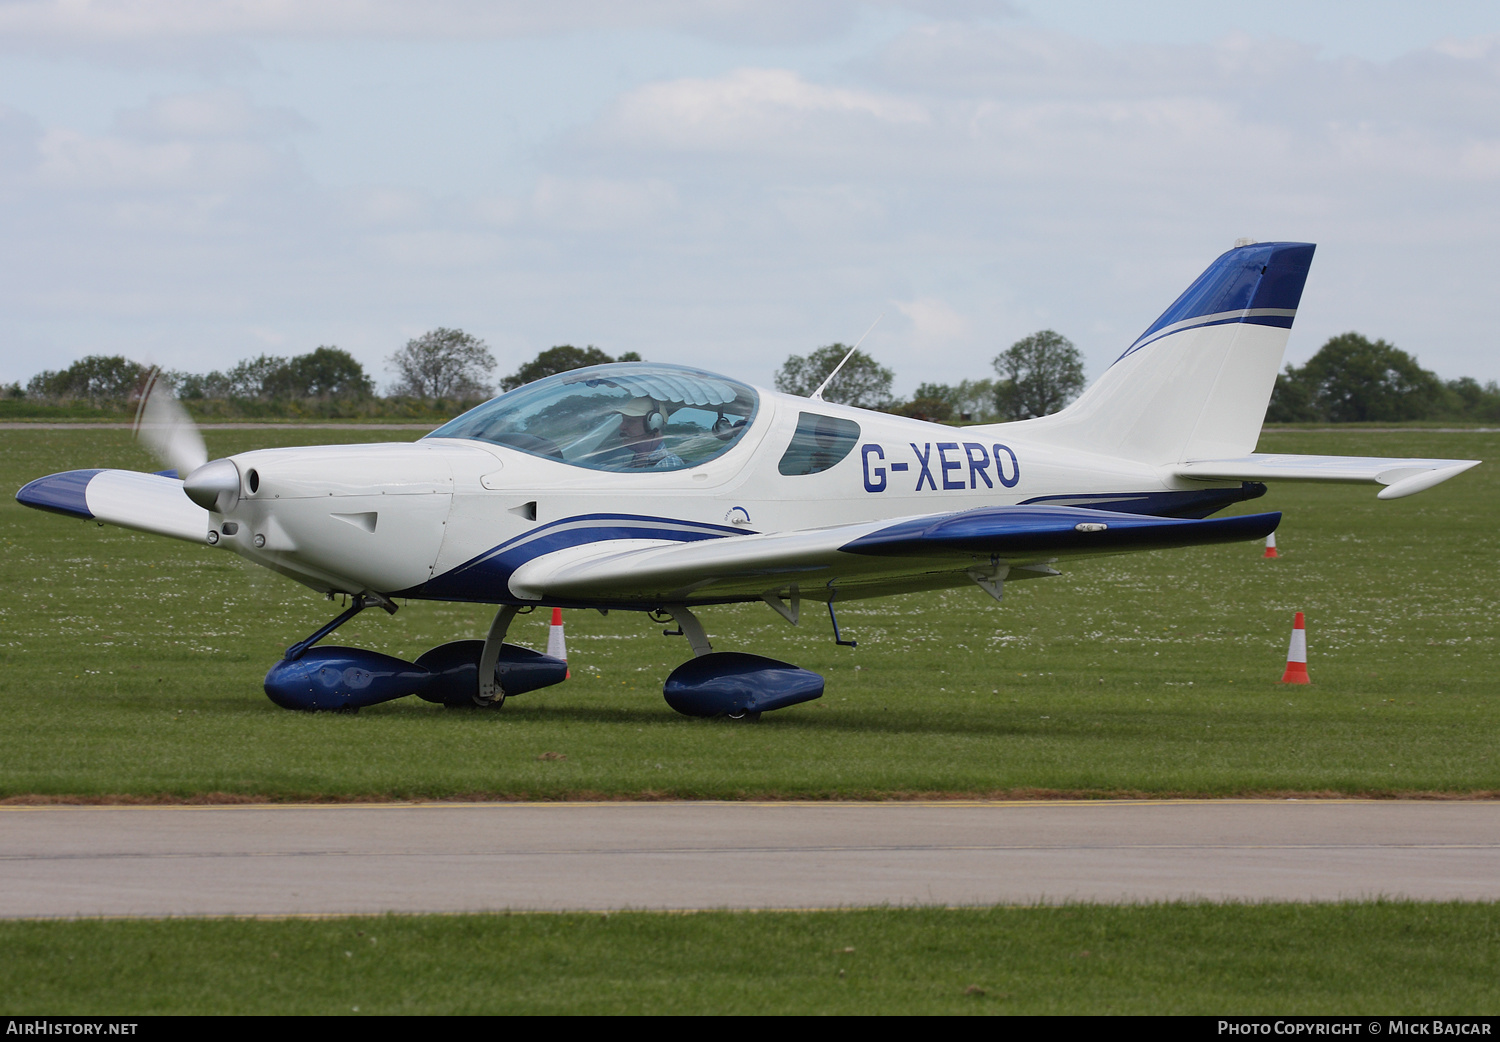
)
(1296, 654)
(1271, 546)
(557, 647)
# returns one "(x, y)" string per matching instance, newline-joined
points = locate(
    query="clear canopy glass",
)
(625, 416)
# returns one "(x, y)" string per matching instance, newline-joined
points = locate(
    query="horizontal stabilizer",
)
(1402, 477)
(146, 502)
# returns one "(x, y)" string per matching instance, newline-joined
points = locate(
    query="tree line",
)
(1036, 375)
(439, 370)
(1356, 380)
(1350, 379)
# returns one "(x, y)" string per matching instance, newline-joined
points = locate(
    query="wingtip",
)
(63, 493)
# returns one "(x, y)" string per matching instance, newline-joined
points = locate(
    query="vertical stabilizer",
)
(1195, 385)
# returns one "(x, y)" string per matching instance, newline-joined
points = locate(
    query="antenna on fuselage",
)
(817, 395)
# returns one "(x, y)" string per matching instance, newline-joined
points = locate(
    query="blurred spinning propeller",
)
(167, 430)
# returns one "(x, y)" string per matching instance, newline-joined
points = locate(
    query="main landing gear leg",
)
(489, 693)
(692, 628)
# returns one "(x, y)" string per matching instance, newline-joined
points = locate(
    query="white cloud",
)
(992, 181)
(758, 21)
(438, 248)
(73, 160)
(601, 204)
(215, 140)
(745, 111)
(385, 207)
(209, 114)
(934, 322)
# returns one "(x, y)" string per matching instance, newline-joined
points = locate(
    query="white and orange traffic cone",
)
(557, 647)
(1296, 654)
(1271, 546)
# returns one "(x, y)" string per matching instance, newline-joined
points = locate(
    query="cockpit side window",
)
(821, 442)
(621, 417)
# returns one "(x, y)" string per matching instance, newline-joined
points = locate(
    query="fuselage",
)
(452, 518)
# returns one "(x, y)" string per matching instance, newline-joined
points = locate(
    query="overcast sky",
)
(726, 183)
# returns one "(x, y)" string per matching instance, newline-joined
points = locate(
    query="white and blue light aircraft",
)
(664, 489)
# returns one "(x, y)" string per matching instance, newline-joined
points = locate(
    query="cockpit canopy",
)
(626, 416)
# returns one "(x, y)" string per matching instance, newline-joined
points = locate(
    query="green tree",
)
(862, 382)
(326, 373)
(926, 407)
(255, 377)
(968, 400)
(561, 359)
(1353, 379)
(198, 385)
(95, 378)
(1039, 374)
(1470, 401)
(976, 399)
(443, 363)
(1292, 399)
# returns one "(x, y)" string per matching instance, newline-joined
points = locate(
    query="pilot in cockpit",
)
(643, 421)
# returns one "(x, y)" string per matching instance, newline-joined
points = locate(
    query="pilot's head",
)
(642, 421)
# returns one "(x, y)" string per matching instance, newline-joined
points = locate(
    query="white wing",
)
(146, 502)
(860, 560)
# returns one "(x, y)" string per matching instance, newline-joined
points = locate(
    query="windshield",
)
(623, 416)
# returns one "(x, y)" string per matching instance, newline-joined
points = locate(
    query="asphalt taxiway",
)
(462, 857)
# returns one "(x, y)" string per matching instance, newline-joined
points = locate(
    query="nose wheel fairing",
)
(342, 679)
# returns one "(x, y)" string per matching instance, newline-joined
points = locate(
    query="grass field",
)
(1355, 959)
(133, 666)
(132, 669)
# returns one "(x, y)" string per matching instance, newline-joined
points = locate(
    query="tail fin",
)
(1195, 385)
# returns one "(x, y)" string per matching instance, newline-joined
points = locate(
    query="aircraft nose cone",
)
(214, 486)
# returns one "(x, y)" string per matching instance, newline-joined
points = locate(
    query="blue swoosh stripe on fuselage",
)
(486, 578)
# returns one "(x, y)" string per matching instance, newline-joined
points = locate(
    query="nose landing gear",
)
(348, 679)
